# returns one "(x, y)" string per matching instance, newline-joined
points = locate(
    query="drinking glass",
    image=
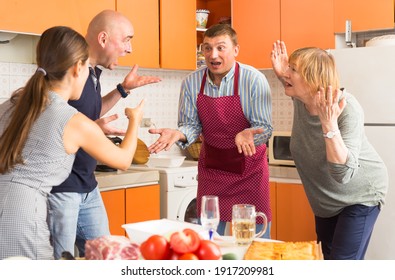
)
(244, 223)
(209, 214)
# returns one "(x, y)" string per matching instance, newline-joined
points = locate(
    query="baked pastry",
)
(307, 250)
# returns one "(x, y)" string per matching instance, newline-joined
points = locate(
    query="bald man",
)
(77, 212)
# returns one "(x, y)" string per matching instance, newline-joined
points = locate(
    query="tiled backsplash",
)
(161, 98)
(363, 37)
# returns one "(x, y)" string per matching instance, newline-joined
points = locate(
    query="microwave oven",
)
(279, 150)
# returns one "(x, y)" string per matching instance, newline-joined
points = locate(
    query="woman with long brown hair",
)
(39, 136)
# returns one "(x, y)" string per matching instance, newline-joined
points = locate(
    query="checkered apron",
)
(233, 177)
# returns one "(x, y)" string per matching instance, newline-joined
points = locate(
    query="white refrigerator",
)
(369, 74)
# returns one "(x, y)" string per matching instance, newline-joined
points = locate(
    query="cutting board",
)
(141, 155)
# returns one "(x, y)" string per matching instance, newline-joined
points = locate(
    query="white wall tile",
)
(282, 107)
(4, 68)
(4, 86)
(161, 104)
(161, 99)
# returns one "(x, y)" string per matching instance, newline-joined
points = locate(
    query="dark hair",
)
(58, 49)
(222, 29)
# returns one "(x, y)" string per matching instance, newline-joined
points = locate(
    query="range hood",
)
(6, 37)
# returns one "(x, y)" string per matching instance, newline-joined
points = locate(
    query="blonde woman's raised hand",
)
(279, 58)
(329, 105)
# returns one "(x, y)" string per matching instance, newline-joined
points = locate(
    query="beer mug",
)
(244, 223)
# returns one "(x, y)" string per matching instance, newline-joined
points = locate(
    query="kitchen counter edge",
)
(126, 179)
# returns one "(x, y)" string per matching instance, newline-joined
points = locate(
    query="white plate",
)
(165, 161)
(139, 232)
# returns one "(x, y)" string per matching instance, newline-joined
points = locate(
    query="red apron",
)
(222, 171)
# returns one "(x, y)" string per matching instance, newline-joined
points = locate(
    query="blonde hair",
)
(316, 67)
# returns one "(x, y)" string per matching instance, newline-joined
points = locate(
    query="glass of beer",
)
(244, 223)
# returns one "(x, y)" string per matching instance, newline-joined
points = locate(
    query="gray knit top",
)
(330, 187)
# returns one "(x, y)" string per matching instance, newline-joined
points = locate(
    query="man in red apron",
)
(229, 104)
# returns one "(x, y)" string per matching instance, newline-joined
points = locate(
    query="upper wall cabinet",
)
(145, 42)
(299, 23)
(364, 15)
(34, 17)
(307, 23)
(165, 33)
(258, 26)
(178, 34)
(87, 9)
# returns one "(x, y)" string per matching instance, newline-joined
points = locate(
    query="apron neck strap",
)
(235, 81)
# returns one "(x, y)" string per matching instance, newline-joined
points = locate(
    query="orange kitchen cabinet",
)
(178, 34)
(114, 201)
(142, 203)
(218, 9)
(364, 15)
(273, 205)
(307, 23)
(87, 9)
(145, 43)
(131, 205)
(295, 219)
(257, 25)
(34, 17)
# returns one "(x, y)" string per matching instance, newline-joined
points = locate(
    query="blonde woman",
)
(344, 178)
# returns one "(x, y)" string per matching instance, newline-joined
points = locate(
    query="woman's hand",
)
(279, 59)
(135, 114)
(329, 107)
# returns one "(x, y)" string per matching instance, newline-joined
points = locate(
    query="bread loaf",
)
(308, 250)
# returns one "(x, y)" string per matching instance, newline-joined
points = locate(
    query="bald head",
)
(109, 34)
(108, 21)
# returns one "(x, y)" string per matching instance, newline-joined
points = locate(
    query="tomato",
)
(173, 255)
(156, 247)
(188, 256)
(208, 250)
(186, 241)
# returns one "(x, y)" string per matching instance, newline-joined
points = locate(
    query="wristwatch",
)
(122, 91)
(331, 134)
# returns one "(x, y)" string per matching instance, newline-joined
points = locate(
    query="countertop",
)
(284, 174)
(126, 179)
(285, 180)
(136, 178)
